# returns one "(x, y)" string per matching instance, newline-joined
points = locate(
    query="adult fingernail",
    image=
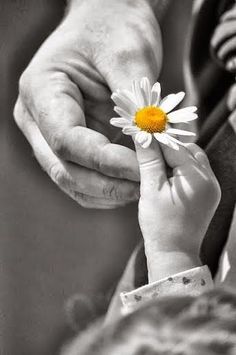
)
(137, 193)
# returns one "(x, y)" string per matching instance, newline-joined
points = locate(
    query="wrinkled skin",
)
(64, 103)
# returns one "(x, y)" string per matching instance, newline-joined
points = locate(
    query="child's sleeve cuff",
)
(190, 282)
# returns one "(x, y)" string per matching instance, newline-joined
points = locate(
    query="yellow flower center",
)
(151, 119)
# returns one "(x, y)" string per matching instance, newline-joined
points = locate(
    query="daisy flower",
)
(144, 115)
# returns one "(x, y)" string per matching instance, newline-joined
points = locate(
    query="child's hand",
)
(175, 211)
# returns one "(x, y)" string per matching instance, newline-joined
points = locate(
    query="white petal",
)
(146, 91)
(129, 95)
(180, 132)
(170, 101)
(183, 115)
(188, 109)
(143, 138)
(176, 141)
(119, 122)
(168, 97)
(124, 103)
(138, 93)
(164, 139)
(130, 130)
(123, 113)
(173, 144)
(155, 94)
(148, 141)
(180, 118)
(142, 135)
(161, 137)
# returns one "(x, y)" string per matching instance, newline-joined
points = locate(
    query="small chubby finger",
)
(229, 15)
(227, 49)
(223, 32)
(204, 163)
(199, 154)
(176, 158)
(152, 166)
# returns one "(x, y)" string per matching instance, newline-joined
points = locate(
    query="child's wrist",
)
(163, 264)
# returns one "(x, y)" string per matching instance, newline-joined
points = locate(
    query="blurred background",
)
(50, 248)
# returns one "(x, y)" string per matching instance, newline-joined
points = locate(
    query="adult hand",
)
(64, 103)
(175, 208)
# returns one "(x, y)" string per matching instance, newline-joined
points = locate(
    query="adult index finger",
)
(57, 109)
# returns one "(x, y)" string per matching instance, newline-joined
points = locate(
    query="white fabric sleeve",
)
(227, 268)
(189, 282)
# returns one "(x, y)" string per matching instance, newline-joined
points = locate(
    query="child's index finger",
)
(152, 166)
(176, 158)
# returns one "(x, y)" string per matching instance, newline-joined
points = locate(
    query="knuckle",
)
(124, 55)
(58, 90)
(24, 83)
(98, 160)
(81, 199)
(17, 114)
(59, 146)
(142, 55)
(110, 190)
(29, 83)
(21, 115)
(58, 175)
(58, 81)
(146, 50)
(59, 78)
